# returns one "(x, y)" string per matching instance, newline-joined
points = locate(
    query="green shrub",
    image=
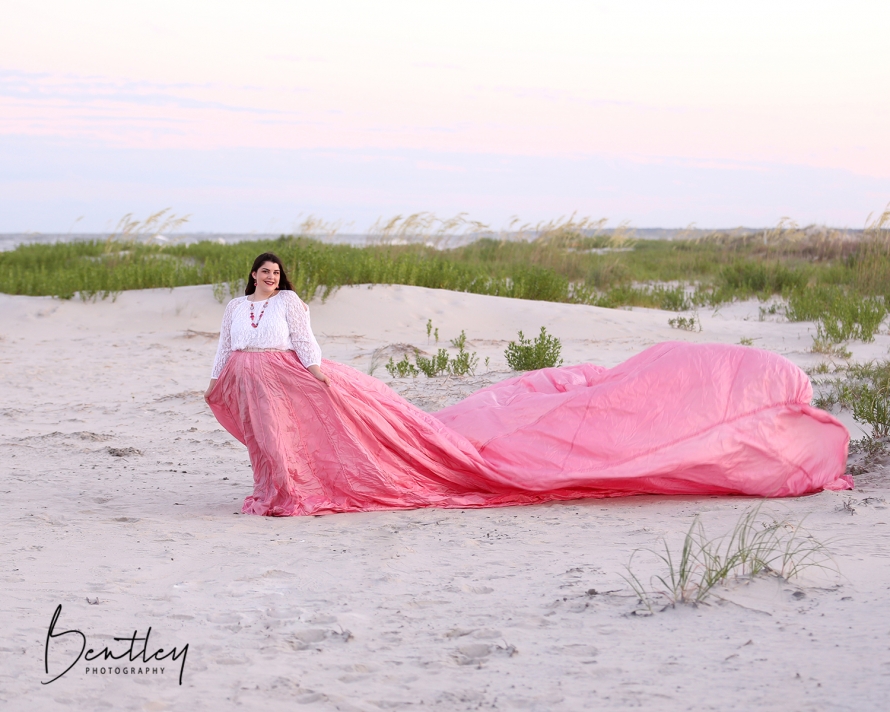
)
(401, 369)
(873, 408)
(687, 324)
(865, 391)
(840, 314)
(537, 283)
(762, 277)
(464, 363)
(672, 298)
(434, 366)
(527, 355)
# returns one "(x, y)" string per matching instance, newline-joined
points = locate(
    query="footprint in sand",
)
(476, 653)
(314, 637)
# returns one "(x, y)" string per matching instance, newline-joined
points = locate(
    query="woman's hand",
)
(209, 388)
(316, 371)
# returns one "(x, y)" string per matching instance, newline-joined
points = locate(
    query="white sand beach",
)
(121, 496)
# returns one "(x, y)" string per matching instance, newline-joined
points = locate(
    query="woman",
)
(675, 419)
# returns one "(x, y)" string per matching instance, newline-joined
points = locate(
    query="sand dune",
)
(120, 494)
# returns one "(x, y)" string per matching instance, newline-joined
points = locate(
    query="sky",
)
(250, 116)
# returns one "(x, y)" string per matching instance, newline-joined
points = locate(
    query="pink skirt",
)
(675, 419)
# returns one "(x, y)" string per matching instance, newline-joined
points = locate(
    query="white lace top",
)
(284, 326)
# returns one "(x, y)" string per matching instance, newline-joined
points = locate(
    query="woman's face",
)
(267, 276)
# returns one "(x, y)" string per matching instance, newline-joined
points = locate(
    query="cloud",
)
(434, 166)
(34, 87)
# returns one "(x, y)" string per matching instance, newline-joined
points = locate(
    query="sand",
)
(120, 497)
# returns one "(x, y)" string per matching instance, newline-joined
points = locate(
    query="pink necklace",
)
(262, 311)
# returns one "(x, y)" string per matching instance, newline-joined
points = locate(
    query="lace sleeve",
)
(224, 350)
(301, 338)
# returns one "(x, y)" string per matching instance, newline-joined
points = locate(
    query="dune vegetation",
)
(566, 261)
(837, 278)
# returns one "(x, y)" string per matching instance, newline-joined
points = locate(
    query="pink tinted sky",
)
(713, 89)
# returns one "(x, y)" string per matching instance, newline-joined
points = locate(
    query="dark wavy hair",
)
(283, 281)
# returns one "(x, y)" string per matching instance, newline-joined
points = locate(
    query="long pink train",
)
(677, 418)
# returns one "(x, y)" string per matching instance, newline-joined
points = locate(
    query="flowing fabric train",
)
(675, 419)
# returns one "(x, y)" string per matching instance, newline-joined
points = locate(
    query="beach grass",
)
(840, 279)
(758, 545)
